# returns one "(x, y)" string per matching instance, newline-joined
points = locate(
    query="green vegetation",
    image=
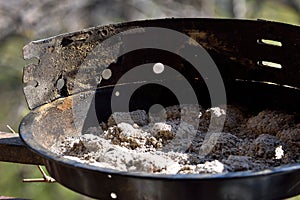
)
(11, 184)
(13, 106)
(280, 13)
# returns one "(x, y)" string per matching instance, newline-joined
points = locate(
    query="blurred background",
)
(22, 21)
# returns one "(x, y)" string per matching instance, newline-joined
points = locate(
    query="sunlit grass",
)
(11, 184)
(278, 12)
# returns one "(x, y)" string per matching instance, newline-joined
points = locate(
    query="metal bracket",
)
(46, 178)
(12, 149)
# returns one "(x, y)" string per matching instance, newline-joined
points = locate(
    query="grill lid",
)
(258, 51)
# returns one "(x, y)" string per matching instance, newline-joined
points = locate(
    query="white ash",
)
(279, 152)
(171, 142)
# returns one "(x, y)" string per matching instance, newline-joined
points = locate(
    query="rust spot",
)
(197, 36)
(43, 111)
(202, 35)
(65, 105)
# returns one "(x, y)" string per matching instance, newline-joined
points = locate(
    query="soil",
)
(185, 139)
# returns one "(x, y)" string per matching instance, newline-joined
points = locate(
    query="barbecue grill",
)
(257, 60)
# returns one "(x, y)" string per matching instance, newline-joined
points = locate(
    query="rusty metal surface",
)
(12, 149)
(233, 44)
(49, 124)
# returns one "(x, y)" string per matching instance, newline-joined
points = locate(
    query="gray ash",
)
(178, 140)
(269, 122)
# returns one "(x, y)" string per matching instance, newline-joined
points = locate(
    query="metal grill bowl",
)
(236, 48)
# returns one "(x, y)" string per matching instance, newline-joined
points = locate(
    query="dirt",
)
(183, 140)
